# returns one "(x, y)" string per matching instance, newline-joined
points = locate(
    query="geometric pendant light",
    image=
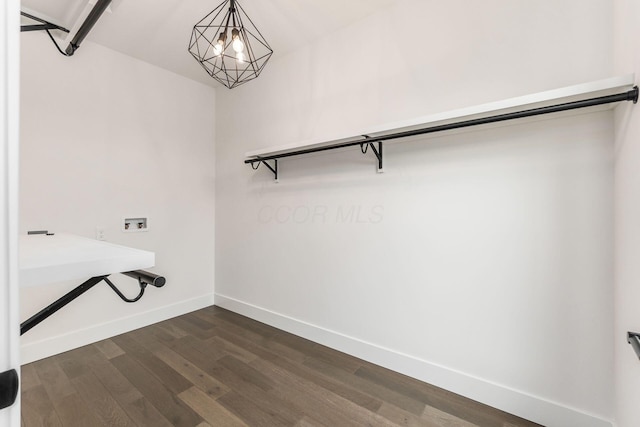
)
(229, 46)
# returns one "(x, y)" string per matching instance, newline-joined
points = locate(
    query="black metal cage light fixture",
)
(229, 46)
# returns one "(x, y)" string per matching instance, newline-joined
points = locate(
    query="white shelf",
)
(60, 257)
(585, 91)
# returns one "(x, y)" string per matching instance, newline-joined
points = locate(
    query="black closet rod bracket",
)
(255, 164)
(633, 338)
(364, 147)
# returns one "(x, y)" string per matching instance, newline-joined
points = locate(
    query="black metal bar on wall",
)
(87, 25)
(144, 278)
(45, 25)
(38, 27)
(631, 95)
(91, 19)
(57, 305)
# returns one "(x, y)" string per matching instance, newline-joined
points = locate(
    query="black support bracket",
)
(144, 278)
(633, 338)
(364, 147)
(256, 164)
(43, 26)
(98, 9)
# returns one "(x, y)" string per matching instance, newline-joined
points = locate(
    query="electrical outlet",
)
(100, 233)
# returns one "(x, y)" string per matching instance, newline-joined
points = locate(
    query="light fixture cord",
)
(226, 26)
(232, 9)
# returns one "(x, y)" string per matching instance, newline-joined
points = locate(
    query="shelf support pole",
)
(378, 153)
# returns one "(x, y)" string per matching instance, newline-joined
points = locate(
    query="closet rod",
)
(631, 95)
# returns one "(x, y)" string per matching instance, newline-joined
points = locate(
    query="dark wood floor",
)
(216, 368)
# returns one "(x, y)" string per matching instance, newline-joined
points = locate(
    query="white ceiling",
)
(158, 31)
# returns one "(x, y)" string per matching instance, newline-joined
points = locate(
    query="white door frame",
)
(9, 125)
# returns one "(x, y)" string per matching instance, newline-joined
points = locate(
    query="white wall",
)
(105, 136)
(627, 220)
(480, 262)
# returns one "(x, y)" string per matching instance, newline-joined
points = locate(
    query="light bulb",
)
(238, 46)
(222, 38)
(217, 49)
(240, 57)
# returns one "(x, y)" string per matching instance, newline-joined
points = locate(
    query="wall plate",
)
(135, 223)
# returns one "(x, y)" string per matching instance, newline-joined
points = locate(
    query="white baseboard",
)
(61, 343)
(515, 402)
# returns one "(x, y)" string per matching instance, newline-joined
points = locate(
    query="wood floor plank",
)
(285, 350)
(109, 348)
(147, 338)
(212, 387)
(248, 333)
(38, 411)
(443, 419)
(246, 372)
(198, 322)
(100, 401)
(434, 397)
(209, 409)
(194, 329)
(73, 411)
(164, 339)
(282, 347)
(207, 347)
(191, 349)
(261, 400)
(113, 380)
(134, 349)
(161, 334)
(341, 389)
(256, 415)
(335, 358)
(28, 377)
(263, 330)
(300, 345)
(308, 422)
(172, 329)
(139, 409)
(317, 402)
(231, 349)
(407, 419)
(75, 364)
(54, 380)
(407, 403)
(143, 413)
(167, 403)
